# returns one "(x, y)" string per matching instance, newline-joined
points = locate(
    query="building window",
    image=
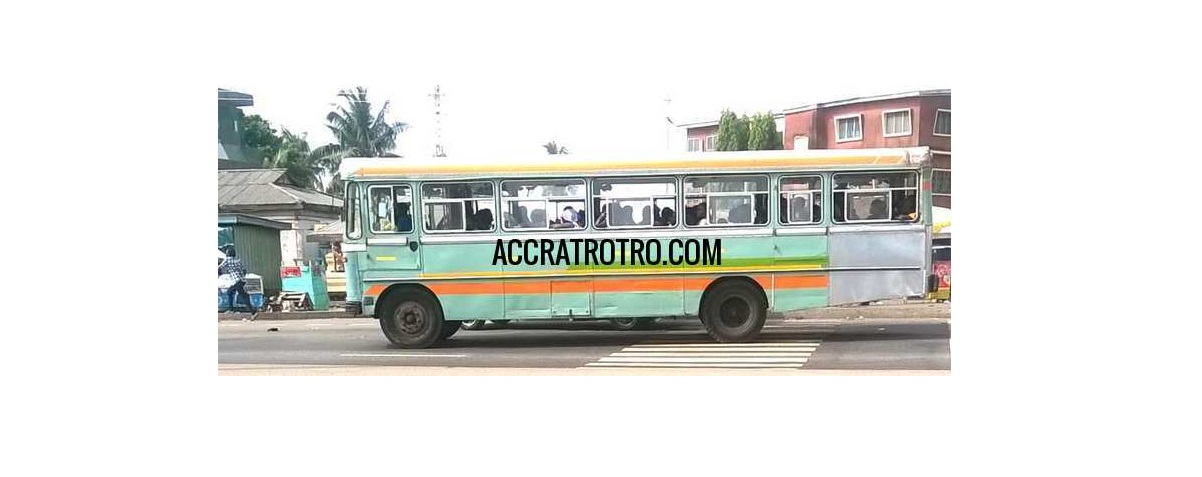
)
(709, 142)
(943, 122)
(694, 144)
(458, 207)
(801, 200)
(876, 197)
(634, 203)
(722, 201)
(849, 128)
(554, 204)
(896, 122)
(941, 181)
(390, 209)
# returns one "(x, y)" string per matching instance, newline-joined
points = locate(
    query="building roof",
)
(868, 99)
(572, 164)
(331, 232)
(243, 187)
(234, 98)
(841, 102)
(243, 219)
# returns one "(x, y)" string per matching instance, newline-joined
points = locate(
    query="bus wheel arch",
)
(410, 315)
(733, 309)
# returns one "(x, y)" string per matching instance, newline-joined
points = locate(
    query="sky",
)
(594, 81)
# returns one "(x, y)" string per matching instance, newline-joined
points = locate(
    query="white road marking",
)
(731, 345)
(709, 355)
(779, 349)
(692, 365)
(362, 324)
(398, 355)
(612, 359)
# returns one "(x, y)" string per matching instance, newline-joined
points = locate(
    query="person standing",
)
(237, 271)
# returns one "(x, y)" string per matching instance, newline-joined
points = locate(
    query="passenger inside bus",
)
(482, 220)
(667, 218)
(646, 217)
(906, 209)
(538, 219)
(877, 210)
(404, 219)
(696, 215)
(567, 219)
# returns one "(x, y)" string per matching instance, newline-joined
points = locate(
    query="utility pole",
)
(437, 95)
(668, 124)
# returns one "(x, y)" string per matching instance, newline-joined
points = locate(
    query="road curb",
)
(295, 315)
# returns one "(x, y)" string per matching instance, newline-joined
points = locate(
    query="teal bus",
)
(727, 237)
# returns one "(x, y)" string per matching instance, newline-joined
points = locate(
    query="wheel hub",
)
(734, 312)
(411, 319)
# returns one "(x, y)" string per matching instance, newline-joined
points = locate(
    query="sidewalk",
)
(883, 310)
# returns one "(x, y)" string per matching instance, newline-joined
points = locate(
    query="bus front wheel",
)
(734, 312)
(413, 320)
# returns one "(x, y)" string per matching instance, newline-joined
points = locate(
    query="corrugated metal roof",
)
(265, 187)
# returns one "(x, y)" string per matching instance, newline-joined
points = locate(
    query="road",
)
(680, 347)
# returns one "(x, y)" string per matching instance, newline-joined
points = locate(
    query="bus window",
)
(801, 200)
(720, 201)
(389, 209)
(635, 203)
(351, 211)
(876, 197)
(555, 204)
(458, 207)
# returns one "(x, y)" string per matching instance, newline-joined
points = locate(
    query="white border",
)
(836, 119)
(936, 123)
(885, 123)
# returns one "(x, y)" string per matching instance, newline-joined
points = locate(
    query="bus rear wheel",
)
(734, 312)
(413, 321)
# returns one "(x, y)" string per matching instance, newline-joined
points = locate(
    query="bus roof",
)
(662, 163)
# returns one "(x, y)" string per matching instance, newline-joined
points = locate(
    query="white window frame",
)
(888, 191)
(391, 197)
(859, 117)
(462, 202)
(885, 122)
(694, 140)
(712, 140)
(815, 195)
(547, 209)
(949, 178)
(936, 124)
(709, 202)
(599, 194)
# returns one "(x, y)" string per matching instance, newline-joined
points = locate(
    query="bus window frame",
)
(593, 191)
(917, 188)
(350, 212)
(821, 191)
(462, 206)
(392, 195)
(684, 198)
(501, 204)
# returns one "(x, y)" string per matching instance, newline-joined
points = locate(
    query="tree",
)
(358, 133)
(260, 138)
(762, 134)
(553, 148)
(732, 132)
(300, 163)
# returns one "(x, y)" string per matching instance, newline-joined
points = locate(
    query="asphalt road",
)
(816, 344)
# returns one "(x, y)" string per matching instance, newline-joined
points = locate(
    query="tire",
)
(472, 324)
(501, 322)
(412, 320)
(629, 324)
(448, 328)
(734, 312)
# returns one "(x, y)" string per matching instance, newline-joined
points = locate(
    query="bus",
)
(728, 238)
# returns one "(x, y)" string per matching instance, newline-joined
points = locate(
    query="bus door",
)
(392, 241)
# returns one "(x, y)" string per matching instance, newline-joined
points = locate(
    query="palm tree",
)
(358, 133)
(553, 148)
(300, 163)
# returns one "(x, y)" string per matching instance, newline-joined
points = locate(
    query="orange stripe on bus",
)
(573, 286)
(374, 290)
(467, 288)
(802, 281)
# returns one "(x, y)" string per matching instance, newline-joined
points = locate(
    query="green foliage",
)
(762, 133)
(358, 133)
(259, 137)
(553, 148)
(299, 162)
(732, 132)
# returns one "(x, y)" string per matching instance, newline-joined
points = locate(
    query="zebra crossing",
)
(764, 354)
